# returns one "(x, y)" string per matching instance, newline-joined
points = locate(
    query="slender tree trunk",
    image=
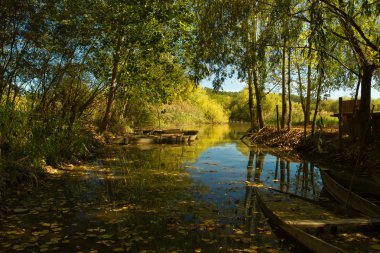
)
(283, 97)
(258, 96)
(289, 92)
(250, 100)
(309, 84)
(255, 74)
(112, 87)
(300, 87)
(308, 95)
(365, 105)
(248, 57)
(320, 80)
(354, 108)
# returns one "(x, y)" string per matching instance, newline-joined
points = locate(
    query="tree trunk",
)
(365, 105)
(289, 92)
(251, 33)
(308, 95)
(259, 110)
(309, 84)
(320, 79)
(112, 87)
(300, 87)
(255, 76)
(283, 97)
(250, 100)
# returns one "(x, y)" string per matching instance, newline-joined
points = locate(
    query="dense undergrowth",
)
(30, 138)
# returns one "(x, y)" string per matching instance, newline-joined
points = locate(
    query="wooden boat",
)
(349, 198)
(304, 221)
(142, 139)
(361, 185)
(190, 135)
(190, 132)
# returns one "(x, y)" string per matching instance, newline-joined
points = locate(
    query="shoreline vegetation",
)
(323, 148)
(30, 140)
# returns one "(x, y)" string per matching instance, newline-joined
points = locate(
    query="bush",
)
(196, 108)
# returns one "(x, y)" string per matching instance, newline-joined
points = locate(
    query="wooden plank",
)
(334, 222)
(313, 243)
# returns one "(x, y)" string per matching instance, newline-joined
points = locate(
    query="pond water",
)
(159, 198)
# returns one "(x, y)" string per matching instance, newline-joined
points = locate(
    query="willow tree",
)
(285, 18)
(251, 61)
(120, 23)
(137, 37)
(359, 27)
(232, 37)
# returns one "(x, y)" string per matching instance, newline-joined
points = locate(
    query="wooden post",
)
(278, 123)
(340, 117)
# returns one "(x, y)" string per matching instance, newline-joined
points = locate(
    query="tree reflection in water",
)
(284, 174)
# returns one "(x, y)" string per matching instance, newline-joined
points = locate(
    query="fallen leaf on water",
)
(44, 224)
(104, 236)
(6, 245)
(238, 231)
(44, 249)
(18, 247)
(20, 210)
(250, 250)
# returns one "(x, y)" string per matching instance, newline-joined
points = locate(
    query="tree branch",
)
(351, 21)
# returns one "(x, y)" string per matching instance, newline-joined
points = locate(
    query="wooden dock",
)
(146, 136)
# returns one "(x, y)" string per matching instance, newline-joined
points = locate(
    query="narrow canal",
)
(159, 198)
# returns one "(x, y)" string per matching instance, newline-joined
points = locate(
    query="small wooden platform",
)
(146, 136)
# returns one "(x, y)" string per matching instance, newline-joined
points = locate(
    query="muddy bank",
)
(323, 149)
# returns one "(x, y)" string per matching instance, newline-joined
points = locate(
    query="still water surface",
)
(160, 198)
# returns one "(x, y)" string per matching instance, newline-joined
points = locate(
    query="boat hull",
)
(309, 241)
(349, 198)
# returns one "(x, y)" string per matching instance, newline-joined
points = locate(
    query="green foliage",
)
(195, 108)
(213, 112)
(239, 107)
(376, 103)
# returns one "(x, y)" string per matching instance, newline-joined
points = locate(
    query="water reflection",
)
(296, 177)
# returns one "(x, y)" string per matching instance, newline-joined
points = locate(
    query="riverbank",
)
(323, 148)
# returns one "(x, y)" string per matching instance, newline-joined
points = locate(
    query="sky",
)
(232, 84)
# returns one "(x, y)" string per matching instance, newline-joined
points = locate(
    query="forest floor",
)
(323, 148)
